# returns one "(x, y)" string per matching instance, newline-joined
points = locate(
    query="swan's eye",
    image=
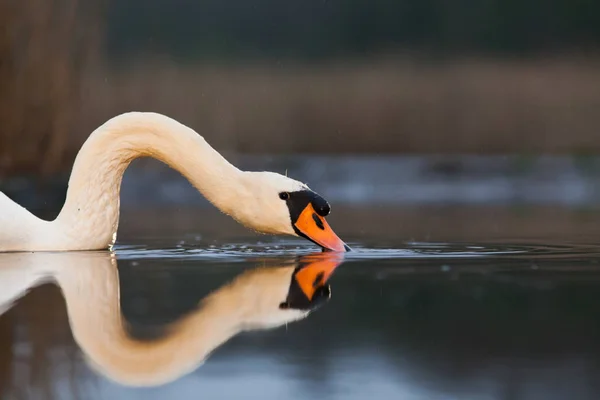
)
(284, 195)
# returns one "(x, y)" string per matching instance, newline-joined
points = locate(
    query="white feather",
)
(90, 216)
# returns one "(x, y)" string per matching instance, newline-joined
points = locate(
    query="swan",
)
(266, 202)
(260, 298)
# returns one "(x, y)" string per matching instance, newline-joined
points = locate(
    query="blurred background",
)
(396, 102)
(360, 76)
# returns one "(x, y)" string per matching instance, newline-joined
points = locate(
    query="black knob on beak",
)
(321, 206)
(324, 210)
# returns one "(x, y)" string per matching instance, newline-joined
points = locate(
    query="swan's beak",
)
(309, 288)
(315, 228)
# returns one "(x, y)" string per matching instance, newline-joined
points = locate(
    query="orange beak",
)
(315, 228)
(316, 274)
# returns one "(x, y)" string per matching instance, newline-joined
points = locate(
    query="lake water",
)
(454, 299)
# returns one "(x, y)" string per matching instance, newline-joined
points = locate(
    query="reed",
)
(45, 47)
(51, 102)
(385, 106)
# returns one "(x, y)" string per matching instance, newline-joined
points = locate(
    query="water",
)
(460, 298)
(420, 321)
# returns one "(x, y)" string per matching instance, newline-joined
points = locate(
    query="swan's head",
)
(277, 204)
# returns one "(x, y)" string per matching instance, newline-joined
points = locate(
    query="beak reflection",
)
(308, 288)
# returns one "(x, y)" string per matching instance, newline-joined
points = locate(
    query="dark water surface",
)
(423, 320)
(469, 279)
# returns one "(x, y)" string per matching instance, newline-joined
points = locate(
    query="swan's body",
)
(90, 216)
(90, 285)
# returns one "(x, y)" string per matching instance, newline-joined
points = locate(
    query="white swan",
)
(262, 298)
(266, 202)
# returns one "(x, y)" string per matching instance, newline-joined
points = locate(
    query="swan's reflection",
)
(260, 298)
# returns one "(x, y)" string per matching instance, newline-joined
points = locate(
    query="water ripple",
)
(412, 250)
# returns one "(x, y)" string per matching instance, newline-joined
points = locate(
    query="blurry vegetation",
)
(384, 106)
(44, 48)
(327, 76)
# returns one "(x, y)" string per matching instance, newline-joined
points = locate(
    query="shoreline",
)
(355, 180)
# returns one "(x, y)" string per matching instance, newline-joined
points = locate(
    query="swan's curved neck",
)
(99, 329)
(90, 216)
